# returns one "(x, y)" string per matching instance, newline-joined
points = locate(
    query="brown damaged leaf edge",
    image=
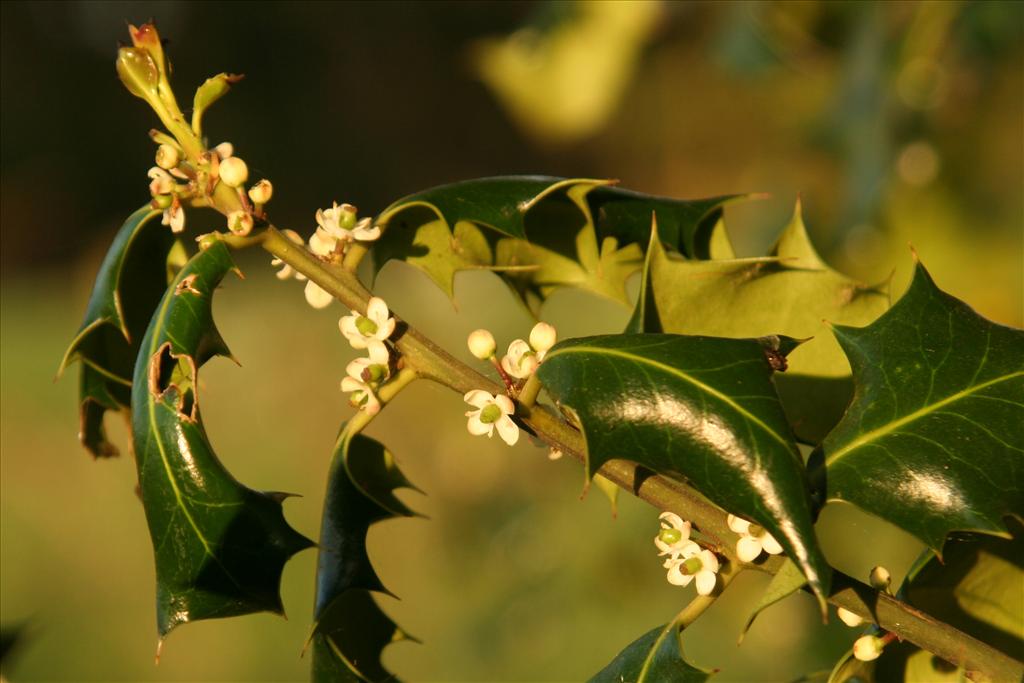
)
(187, 285)
(163, 361)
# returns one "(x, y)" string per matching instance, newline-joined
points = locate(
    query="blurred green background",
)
(897, 123)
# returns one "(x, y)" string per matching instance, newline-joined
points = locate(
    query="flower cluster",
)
(200, 176)
(365, 375)
(522, 358)
(686, 560)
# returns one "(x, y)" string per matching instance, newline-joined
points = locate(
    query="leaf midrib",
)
(683, 376)
(891, 427)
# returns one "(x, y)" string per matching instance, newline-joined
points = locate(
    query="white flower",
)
(161, 181)
(849, 618)
(542, 338)
(261, 192)
(322, 244)
(174, 216)
(286, 270)
(233, 172)
(240, 223)
(317, 296)
(481, 344)
(693, 563)
(371, 329)
(365, 230)
(520, 361)
(224, 150)
(491, 411)
(364, 374)
(674, 535)
(753, 539)
(555, 454)
(167, 156)
(868, 648)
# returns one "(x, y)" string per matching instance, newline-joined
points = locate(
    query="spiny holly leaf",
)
(220, 547)
(655, 657)
(350, 630)
(702, 407)
(934, 438)
(790, 292)
(539, 232)
(128, 287)
(645, 311)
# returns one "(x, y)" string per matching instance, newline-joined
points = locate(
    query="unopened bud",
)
(261, 192)
(233, 172)
(528, 365)
(167, 157)
(146, 38)
(240, 223)
(138, 72)
(849, 618)
(543, 337)
(481, 344)
(868, 648)
(880, 578)
(224, 150)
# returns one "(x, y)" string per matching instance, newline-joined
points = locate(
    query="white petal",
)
(705, 582)
(321, 243)
(665, 548)
(316, 296)
(740, 526)
(710, 560)
(507, 430)
(379, 354)
(509, 367)
(352, 384)
(689, 549)
(478, 428)
(372, 405)
(477, 398)
(377, 310)
(356, 367)
(674, 521)
(677, 578)
(385, 329)
(770, 545)
(505, 403)
(849, 618)
(748, 548)
(364, 233)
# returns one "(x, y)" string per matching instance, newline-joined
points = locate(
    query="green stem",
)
(354, 256)
(432, 362)
(528, 394)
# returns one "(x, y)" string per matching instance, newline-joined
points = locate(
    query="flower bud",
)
(880, 578)
(868, 648)
(543, 337)
(160, 181)
(167, 157)
(240, 223)
(261, 192)
(146, 38)
(849, 618)
(224, 150)
(138, 72)
(528, 365)
(233, 172)
(481, 344)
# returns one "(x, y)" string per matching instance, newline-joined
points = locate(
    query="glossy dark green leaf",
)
(219, 547)
(539, 232)
(790, 292)
(702, 407)
(655, 657)
(128, 287)
(934, 438)
(350, 630)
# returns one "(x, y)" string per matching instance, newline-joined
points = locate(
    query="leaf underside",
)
(933, 440)
(701, 407)
(219, 547)
(129, 285)
(539, 233)
(655, 657)
(350, 630)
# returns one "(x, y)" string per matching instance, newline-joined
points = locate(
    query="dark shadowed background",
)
(896, 123)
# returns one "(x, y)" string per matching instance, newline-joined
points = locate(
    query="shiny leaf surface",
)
(702, 407)
(538, 232)
(219, 547)
(350, 630)
(655, 657)
(129, 285)
(934, 438)
(790, 292)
